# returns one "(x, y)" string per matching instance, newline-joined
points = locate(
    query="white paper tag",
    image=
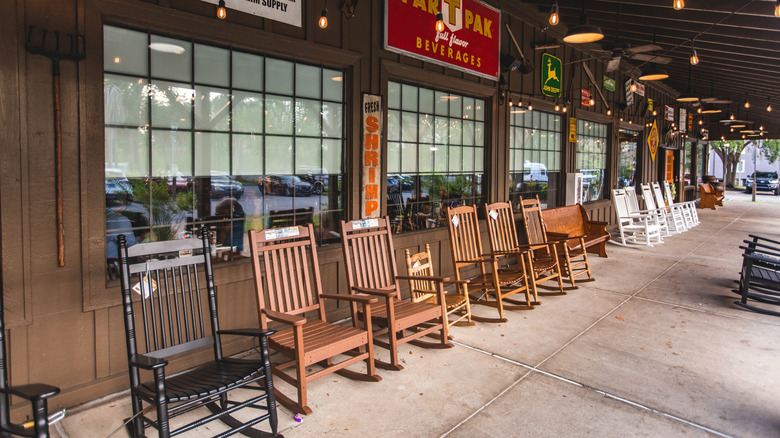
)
(143, 285)
(278, 233)
(455, 221)
(416, 265)
(366, 223)
(493, 215)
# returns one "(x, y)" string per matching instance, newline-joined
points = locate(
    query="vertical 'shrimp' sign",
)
(372, 170)
(470, 41)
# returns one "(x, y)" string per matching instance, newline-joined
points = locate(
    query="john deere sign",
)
(552, 73)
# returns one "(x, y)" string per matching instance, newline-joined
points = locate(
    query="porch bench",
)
(709, 196)
(572, 222)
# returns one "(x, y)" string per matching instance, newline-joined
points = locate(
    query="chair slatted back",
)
(465, 241)
(286, 268)
(668, 193)
(647, 195)
(369, 254)
(501, 227)
(621, 204)
(631, 200)
(420, 264)
(168, 278)
(659, 196)
(534, 225)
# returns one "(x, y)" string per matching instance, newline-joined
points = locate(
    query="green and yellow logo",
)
(552, 73)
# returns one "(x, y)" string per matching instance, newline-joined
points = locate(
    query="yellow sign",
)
(652, 140)
(572, 130)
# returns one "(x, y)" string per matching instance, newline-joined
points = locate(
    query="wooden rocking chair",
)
(288, 285)
(169, 276)
(369, 258)
(424, 289)
(482, 270)
(542, 257)
(573, 260)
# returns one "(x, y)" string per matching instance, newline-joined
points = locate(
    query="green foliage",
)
(770, 149)
(162, 206)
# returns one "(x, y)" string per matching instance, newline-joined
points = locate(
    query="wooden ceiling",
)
(737, 41)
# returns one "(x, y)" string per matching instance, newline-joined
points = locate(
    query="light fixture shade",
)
(583, 33)
(654, 74)
(710, 109)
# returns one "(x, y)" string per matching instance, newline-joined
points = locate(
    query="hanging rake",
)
(74, 51)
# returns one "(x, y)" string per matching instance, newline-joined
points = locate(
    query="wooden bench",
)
(709, 196)
(571, 222)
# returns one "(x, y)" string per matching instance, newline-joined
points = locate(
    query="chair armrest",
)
(147, 362)
(294, 320)
(255, 332)
(449, 281)
(370, 291)
(560, 237)
(365, 299)
(421, 277)
(32, 391)
(598, 223)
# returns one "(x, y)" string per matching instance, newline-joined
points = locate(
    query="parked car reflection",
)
(287, 185)
(224, 185)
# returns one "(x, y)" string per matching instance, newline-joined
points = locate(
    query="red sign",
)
(585, 97)
(470, 40)
(372, 153)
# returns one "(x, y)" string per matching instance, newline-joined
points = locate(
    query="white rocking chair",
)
(634, 210)
(676, 215)
(635, 229)
(692, 218)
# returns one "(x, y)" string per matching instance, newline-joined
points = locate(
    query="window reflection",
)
(535, 156)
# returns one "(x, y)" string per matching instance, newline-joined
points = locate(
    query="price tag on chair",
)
(455, 221)
(493, 215)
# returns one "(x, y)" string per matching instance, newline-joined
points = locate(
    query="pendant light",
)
(768, 105)
(323, 22)
(221, 11)
(678, 4)
(439, 20)
(584, 32)
(655, 73)
(777, 8)
(554, 17)
(694, 55)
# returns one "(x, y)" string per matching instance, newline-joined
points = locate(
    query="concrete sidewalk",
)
(653, 347)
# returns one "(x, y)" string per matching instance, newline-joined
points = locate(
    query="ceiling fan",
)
(622, 49)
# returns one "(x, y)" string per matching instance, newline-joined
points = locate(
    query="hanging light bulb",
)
(565, 107)
(701, 122)
(592, 102)
(621, 119)
(694, 55)
(731, 117)
(698, 110)
(633, 87)
(554, 18)
(609, 112)
(732, 129)
(679, 4)
(777, 8)
(323, 23)
(747, 103)
(655, 113)
(510, 103)
(520, 103)
(557, 107)
(530, 107)
(221, 11)
(768, 105)
(439, 20)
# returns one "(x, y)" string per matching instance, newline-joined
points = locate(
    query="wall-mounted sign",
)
(683, 119)
(552, 72)
(572, 130)
(653, 140)
(689, 131)
(286, 11)
(609, 84)
(370, 189)
(470, 41)
(585, 97)
(668, 113)
(629, 93)
(650, 105)
(640, 89)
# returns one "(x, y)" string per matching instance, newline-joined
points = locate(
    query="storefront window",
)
(435, 158)
(627, 158)
(592, 157)
(197, 134)
(534, 155)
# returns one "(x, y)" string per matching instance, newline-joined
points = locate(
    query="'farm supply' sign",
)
(286, 11)
(372, 166)
(470, 41)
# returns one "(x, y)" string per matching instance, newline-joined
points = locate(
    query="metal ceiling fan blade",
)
(645, 48)
(613, 64)
(651, 58)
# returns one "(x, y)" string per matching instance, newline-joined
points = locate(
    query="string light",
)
(323, 23)
(439, 20)
(609, 112)
(554, 18)
(530, 107)
(557, 107)
(679, 4)
(221, 11)
(592, 102)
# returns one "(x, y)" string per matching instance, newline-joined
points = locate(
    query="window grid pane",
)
(535, 141)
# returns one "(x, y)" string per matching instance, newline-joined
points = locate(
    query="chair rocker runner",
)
(288, 286)
(488, 285)
(424, 288)
(542, 257)
(572, 258)
(369, 257)
(636, 229)
(36, 393)
(171, 278)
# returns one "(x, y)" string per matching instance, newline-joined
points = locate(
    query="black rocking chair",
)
(169, 277)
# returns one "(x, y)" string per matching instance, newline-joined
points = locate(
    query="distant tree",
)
(770, 149)
(729, 153)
